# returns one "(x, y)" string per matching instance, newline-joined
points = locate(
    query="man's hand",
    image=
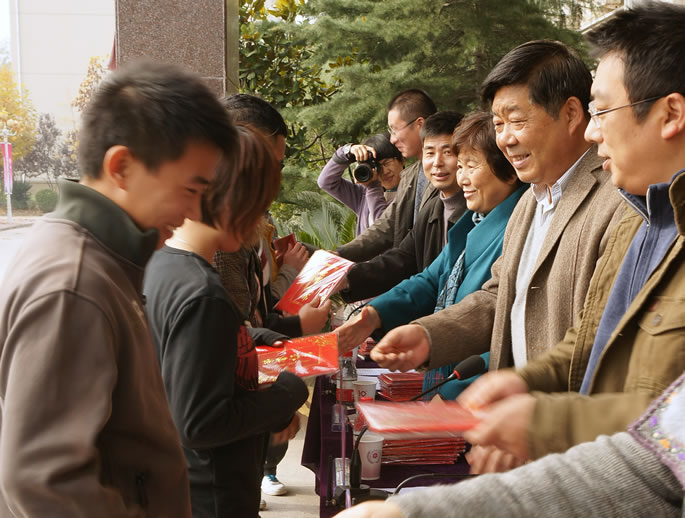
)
(362, 153)
(504, 425)
(372, 510)
(355, 331)
(488, 459)
(313, 317)
(491, 387)
(404, 348)
(296, 256)
(288, 433)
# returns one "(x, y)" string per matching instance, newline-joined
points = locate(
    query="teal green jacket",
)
(416, 297)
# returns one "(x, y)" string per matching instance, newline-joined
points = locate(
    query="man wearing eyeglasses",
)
(629, 344)
(407, 112)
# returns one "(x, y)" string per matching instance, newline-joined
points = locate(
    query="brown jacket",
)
(85, 427)
(644, 355)
(397, 220)
(574, 242)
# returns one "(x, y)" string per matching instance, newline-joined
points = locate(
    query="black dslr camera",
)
(364, 170)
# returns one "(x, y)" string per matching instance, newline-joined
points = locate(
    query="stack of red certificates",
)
(422, 451)
(400, 386)
(366, 346)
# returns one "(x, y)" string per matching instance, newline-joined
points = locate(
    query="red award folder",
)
(412, 419)
(320, 276)
(307, 356)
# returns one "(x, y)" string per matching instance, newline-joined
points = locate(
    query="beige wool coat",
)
(575, 240)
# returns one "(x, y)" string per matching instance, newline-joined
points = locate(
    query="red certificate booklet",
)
(307, 356)
(412, 419)
(320, 276)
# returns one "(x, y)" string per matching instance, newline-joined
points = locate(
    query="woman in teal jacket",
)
(492, 190)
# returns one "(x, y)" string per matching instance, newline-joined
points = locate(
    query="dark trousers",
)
(274, 455)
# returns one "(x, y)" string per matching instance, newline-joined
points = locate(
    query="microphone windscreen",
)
(471, 366)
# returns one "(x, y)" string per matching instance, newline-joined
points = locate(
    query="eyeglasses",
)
(594, 113)
(397, 131)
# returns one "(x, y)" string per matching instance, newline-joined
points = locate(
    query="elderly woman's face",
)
(482, 190)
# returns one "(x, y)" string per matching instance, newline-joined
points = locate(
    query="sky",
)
(4, 22)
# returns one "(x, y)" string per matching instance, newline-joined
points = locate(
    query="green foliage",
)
(21, 194)
(276, 65)
(319, 220)
(46, 200)
(446, 48)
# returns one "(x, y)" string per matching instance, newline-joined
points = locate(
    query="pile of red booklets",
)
(400, 386)
(422, 451)
(418, 432)
(366, 346)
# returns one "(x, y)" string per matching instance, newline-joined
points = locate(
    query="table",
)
(321, 443)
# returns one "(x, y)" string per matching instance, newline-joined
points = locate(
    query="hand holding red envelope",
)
(305, 357)
(320, 276)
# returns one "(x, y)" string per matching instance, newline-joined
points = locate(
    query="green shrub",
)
(47, 200)
(20, 194)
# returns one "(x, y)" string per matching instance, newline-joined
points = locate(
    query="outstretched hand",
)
(359, 328)
(404, 348)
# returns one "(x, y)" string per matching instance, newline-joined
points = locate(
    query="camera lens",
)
(363, 172)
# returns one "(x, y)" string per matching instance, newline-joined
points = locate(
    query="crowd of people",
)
(543, 232)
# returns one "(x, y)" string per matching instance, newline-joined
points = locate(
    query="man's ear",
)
(574, 113)
(116, 164)
(674, 120)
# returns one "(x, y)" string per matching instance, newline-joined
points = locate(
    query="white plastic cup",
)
(364, 388)
(371, 452)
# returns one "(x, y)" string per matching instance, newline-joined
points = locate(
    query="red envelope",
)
(320, 276)
(305, 357)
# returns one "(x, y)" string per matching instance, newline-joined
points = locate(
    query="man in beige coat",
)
(553, 240)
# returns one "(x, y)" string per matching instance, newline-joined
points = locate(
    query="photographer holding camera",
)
(376, 176)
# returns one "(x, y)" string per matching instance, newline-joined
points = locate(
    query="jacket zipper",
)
(140, 488)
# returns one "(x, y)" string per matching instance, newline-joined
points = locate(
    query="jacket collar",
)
(106, 221)
(655, 205)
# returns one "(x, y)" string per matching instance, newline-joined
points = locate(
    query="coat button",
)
(656, 320)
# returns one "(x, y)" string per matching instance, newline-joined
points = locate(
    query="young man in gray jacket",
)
(85, 426)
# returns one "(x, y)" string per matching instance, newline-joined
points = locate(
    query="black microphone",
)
(471, 366)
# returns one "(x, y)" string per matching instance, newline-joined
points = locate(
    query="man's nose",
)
(592, 133)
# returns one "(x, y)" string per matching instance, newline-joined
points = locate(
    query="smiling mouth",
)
(518, 160)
